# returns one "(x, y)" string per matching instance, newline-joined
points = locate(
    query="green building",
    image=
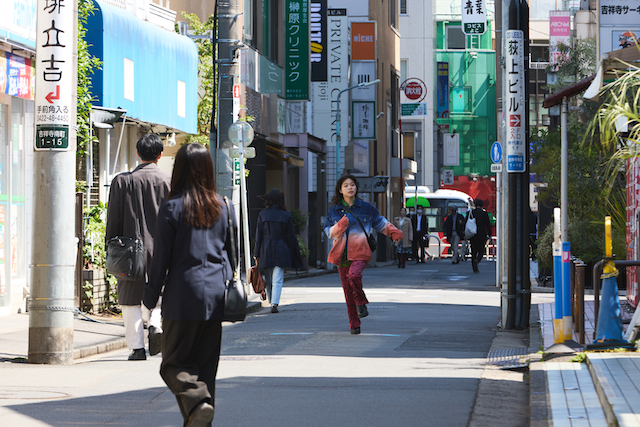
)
(471, 85)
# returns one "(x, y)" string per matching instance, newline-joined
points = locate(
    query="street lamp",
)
(364, 84)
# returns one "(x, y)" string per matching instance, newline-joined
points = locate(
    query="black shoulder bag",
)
(126, 255)
(373, 244)
(235, 293)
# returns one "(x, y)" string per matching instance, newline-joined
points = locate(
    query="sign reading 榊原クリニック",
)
(297, 52)
(474, 17)
(54, 109)
(515, 103)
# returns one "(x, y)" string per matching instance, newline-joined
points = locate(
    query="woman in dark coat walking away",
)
(276, 246)
(191, 261)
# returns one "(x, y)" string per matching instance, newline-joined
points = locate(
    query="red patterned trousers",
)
(351, 278)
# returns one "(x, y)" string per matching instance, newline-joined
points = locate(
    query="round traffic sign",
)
(496, 152)
(413, 90)
(240, 130)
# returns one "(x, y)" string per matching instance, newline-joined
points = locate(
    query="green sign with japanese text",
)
(298, 51)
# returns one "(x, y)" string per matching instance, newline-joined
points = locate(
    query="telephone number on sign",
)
(52, 118)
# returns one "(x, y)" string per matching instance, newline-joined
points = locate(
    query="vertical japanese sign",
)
(318, 40)
(515, 102)
(298, 49)
(363, 118)
(443, 90)
(54, 73)
(474, 17)
(559, 33)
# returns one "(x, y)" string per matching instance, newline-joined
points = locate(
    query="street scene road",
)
(417, 362)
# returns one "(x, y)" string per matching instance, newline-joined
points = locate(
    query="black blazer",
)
(448, 226)
(423, 224)
(482, 221)
(192, 264)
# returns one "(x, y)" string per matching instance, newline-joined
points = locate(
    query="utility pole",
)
(229, 39)
(51, 307)
(515, 106)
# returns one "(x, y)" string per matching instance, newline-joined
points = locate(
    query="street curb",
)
(607, 408)
(91, 350)
(539, 405)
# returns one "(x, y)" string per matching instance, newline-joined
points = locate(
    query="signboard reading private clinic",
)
(54, 75)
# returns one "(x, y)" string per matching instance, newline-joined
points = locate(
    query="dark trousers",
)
(477, 251)
(418, 246)
(190, 354)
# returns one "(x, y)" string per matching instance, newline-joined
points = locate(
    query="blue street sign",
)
(496, 152)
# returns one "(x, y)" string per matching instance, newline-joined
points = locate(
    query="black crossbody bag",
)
(373, 244)
(126, 255)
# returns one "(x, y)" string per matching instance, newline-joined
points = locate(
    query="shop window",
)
(455, 38)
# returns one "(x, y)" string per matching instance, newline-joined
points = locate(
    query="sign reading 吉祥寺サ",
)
(515, 102)
(619, 24)
(297, 79)
(54, 74)
(474, 17)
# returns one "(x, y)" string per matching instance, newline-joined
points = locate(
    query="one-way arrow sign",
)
(49, 96)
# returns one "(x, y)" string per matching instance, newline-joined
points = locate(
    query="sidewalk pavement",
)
(602, 391)
(92, 334)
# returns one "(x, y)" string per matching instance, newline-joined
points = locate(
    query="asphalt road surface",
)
(417, 362)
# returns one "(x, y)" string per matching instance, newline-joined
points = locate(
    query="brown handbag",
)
(256, 280)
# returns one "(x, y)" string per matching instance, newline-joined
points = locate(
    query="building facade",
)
(17, 85)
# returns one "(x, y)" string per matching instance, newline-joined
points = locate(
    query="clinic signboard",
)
(297, 51)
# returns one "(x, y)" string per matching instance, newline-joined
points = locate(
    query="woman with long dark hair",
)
(191, 262)
(349, 221)
(276, 246)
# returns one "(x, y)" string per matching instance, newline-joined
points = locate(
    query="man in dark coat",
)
(134, 200)
(419, 224)
(484, 232)
(454, 231)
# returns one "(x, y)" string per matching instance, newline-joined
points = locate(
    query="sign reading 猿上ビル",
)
(514, 103)
(474, 17)
(54, 75)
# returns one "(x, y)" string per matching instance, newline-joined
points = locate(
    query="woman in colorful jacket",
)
(350, 251)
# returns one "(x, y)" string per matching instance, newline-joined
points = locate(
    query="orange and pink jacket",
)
(345, 230)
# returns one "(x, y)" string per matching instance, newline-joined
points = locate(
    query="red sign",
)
(236, 91)
(514, 120)
(413, 90)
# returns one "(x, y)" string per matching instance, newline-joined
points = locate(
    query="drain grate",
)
(510, 358)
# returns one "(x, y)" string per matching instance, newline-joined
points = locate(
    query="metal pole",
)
(244, 206)
(564, 155)
(53, 260)
(229, 39)
(338, 137)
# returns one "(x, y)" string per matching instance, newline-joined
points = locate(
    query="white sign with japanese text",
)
(474, 17)
(515, 103)
(54, 74)
(363, 120)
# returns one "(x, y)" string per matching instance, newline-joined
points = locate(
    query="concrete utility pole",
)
(51, 306)
(228, 41)
(517, 141)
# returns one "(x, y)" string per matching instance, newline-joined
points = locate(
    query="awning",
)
(292, 159)
(148, 71)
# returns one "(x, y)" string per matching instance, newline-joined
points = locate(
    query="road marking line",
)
(382, 335)
(292, 333)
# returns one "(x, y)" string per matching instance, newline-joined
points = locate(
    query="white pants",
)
(455, 241)
(134, 325)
